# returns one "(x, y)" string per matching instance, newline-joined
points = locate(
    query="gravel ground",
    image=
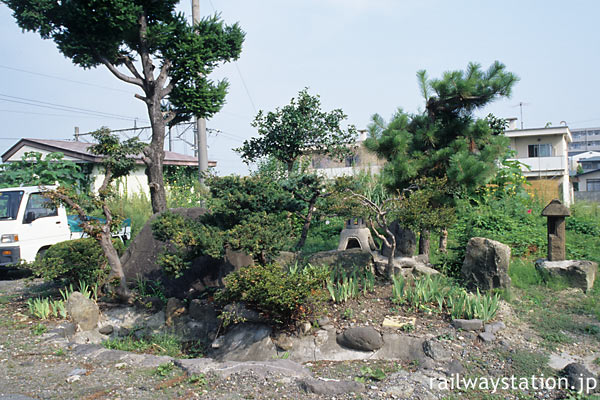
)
(36, 368)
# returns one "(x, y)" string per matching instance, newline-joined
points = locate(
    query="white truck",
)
(30, 223)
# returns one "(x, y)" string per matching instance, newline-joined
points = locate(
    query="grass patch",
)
(163, 344)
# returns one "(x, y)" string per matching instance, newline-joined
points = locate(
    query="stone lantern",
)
(556, 213)
(356, 235)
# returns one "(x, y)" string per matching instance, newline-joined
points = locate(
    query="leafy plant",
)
(164, 369)
(34, 169)
(38, 329)
(370, 374)
(74, 261)
(39, 308)
(281, 297)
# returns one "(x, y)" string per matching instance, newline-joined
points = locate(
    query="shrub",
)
(75, 261)
(282, 297)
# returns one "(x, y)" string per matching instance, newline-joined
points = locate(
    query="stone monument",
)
(556, 212)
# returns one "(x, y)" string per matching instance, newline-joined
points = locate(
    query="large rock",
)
(363, 338)
(406, 242)
(139, 261)
(580, 378)
(245, 342)
(486, 264)
(83, 311)
(578, 273)
(347, 259)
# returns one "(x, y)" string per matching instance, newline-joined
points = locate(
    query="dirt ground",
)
(33, 367)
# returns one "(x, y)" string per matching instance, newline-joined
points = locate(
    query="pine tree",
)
(446, 140)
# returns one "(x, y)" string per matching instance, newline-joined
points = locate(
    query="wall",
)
(136, 182)
(587, 196)
(582, 179)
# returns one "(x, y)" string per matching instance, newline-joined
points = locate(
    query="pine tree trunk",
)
(155, 155)
(424, 242)
(116, 269)
(443, 247)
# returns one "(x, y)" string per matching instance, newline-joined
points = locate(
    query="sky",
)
(358, 55)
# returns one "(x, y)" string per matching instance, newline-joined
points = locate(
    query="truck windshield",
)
(9, 204)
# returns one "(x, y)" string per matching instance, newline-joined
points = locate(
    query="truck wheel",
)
(41, 252)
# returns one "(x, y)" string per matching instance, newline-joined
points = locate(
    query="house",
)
(544, 154)
(78, 152)
(361, 160)
(576, 156)
(588, 181)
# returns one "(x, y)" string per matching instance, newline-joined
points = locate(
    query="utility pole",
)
(77, 134)
(200, 122)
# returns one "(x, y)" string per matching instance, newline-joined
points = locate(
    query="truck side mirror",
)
(29, 217)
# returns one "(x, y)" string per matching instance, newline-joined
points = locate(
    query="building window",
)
(352, 161)
(593, 185)
(540, 150)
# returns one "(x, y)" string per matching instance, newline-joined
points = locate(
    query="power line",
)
(63, 79)
(239, 71)
(54, 106)
(50, 115)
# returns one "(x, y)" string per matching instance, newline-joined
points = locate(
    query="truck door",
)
(43, 225)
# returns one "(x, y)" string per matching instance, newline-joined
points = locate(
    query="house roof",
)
(587, 172)
(557, 130)
(589, 159)
(80, 150)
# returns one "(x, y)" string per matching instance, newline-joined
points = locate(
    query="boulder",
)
(245, 342)
(580, 378)
(347, 259)
(578, 273)
(240, 312)
(361, 338)
(83, 311)
(486, 264)
(139, 261)
(406, 242)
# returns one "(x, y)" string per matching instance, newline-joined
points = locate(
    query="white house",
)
(134, 183)
(545, 153)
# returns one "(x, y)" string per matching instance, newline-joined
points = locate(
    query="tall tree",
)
(446, 140)
(297, 129)
(125, 35)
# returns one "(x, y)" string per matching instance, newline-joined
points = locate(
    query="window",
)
(593, 185)
(540, 150)
(40, 207)
(9, 204)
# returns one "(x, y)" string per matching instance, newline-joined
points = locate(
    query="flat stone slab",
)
(331, 387)
(398, 321)
(286, 368)
(467, 324)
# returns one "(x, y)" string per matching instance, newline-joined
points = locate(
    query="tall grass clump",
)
(436, 293)
(134, 206)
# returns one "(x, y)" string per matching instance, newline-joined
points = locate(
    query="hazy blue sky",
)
(359, 55)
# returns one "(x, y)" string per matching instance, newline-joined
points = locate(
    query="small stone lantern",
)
(356, 235)
(556, 213)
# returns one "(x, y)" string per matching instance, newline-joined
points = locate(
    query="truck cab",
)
(29, 224)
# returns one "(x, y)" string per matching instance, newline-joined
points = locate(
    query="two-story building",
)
(544, 154)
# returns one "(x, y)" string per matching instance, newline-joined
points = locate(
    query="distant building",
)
(585, 139)
(544, 152)
(361, 160)
(135, 182)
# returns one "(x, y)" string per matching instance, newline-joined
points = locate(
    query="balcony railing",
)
(544, 164)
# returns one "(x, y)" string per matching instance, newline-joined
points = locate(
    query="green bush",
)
(75, 261)
(280, 296)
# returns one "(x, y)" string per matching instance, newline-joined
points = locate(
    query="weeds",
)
(163, 344)
(370, 374)
(343, 286)
(164, 370)
(38, 329)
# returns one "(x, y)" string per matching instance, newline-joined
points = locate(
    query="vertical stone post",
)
(556, 212)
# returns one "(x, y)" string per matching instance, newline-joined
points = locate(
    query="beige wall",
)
(520, 144)
(136, 182)
(364, 159)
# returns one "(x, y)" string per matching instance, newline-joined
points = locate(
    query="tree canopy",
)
(147, 44)
(446, 140)
(297, 129)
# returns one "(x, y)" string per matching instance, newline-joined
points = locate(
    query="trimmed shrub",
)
(74, 261)
(280, 296)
